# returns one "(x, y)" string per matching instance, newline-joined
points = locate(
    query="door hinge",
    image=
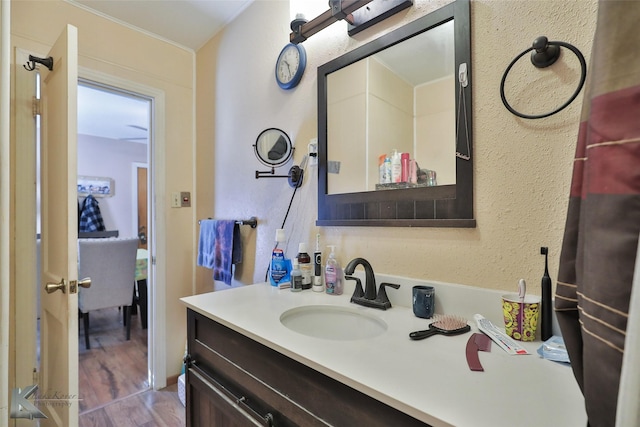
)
(36, 376)
(36, 107)
(153, 260)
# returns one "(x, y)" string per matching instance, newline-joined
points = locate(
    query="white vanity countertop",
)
(428, 379)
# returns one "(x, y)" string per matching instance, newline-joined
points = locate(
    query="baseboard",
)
(172, 379)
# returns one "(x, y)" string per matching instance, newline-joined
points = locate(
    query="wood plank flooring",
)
(113, 378)
(146, 409)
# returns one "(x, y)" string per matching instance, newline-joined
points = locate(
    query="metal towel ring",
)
(546, 53)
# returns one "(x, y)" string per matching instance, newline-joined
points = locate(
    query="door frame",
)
(134, 194)
(156, 271)
(5, 204)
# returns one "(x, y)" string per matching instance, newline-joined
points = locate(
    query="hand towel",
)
(219, 248)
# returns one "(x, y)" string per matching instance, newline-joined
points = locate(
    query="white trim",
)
(5, 258)
(157, 224)
(134, 194)
(25, 224)
(194, 177)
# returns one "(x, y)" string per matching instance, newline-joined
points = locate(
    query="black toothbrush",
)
(546, 326)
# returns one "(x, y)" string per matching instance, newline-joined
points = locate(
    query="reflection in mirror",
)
(370, 104)
(273, 147)
(398, 100)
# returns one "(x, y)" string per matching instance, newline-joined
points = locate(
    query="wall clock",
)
(290, 65)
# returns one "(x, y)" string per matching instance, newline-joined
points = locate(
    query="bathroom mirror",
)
(409, 90)
(273, 147)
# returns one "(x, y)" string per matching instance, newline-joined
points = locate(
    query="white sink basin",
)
(333, 323)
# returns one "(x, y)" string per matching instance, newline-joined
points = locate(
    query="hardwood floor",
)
(146, 409)
(113, 378)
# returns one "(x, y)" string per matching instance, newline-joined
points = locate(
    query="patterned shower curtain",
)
(603, 221)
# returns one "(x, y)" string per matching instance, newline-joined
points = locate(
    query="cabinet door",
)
(210, 404)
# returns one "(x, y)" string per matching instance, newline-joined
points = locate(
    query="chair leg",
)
(127, 310)
(85, 317)
(142, 298)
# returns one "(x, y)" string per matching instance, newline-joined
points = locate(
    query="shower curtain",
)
(595, 277)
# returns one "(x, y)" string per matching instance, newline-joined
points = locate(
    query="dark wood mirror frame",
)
(440, 206)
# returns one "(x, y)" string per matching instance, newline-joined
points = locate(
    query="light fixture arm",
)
(339, 9)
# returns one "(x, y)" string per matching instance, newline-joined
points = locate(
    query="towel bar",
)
(253, 221)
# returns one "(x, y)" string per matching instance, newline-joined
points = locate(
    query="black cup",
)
(423, 301)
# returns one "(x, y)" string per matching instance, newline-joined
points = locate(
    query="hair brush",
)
(443, 324)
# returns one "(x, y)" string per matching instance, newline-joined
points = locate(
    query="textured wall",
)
(522, 167)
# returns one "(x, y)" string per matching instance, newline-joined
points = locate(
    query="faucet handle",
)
(382, 294)
(358, 292)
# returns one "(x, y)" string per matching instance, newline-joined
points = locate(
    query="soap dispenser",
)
(333, 274)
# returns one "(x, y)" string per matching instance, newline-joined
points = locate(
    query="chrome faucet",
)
(369, 297)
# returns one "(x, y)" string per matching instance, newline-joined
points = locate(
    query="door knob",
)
(85, 283)
(52, 287)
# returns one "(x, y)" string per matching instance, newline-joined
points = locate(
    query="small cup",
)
(423, 301)
(521, 318)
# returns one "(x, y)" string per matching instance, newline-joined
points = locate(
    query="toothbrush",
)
(522, 290)
(545, 323)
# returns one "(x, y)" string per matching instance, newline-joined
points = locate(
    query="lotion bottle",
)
(387, 170)
(405, 168)
(396, 167)
(333, 274)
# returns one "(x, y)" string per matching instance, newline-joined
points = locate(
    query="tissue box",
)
(181, 390)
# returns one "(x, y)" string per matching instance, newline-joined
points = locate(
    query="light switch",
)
(175, 200)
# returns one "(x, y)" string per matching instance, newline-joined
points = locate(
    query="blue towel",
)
(219, 248)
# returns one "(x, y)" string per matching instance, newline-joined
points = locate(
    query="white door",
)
(59, 317)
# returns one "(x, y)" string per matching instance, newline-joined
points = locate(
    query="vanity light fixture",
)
(360, 14)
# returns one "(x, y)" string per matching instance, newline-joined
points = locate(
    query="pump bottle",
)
(333, 274)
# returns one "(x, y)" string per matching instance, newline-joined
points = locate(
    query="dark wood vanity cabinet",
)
(234, 381)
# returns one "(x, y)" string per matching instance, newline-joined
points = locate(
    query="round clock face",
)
(290, 65)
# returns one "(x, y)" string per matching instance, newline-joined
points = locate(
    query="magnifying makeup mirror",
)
(273, 148)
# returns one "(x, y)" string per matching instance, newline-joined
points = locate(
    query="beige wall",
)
(107, 47)
(347, 114)
(435, 125)
(522, 168)
(390, 118)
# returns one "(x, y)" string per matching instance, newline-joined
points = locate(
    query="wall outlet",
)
(313, 152)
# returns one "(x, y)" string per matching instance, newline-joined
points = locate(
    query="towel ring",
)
(546, 53)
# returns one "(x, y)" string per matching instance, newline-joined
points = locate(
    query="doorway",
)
(113, 138)
(26, 366)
